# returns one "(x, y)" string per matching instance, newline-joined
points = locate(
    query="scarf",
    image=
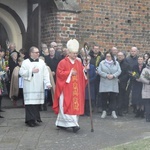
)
(108, 63)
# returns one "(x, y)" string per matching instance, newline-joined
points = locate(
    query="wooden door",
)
(32, 30)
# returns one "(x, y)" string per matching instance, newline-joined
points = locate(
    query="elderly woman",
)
(16, 84)
(145, 79)
(13, 63)
(109, 70)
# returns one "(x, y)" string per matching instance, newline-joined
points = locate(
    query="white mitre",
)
(73, 45)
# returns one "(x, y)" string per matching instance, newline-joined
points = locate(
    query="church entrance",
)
(3, 37)
(12, 29)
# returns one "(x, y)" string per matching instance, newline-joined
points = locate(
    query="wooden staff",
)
(89, 93)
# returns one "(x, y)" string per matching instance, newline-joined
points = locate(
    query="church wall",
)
(107, 22)
(116, 22)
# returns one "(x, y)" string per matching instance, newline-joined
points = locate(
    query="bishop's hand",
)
(74, 72)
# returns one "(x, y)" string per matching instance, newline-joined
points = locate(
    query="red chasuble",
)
(74, 91)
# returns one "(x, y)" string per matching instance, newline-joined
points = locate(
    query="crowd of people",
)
(117, 79)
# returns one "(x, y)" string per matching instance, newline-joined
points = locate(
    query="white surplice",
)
(33, 87)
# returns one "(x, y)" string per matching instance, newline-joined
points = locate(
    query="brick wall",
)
(121, 23)
(48, 24)
(59, 26)
(67, 26)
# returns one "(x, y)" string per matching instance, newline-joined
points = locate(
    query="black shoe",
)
(1, 117)
(138, 113)
(64, 128)
(30, 124)
(75, 129)
(35, 124)
(2, 111)
(39, 120)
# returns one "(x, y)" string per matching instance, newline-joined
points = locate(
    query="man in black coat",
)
(132, 60)
(96, 57)
(52, 61)
(123, 79)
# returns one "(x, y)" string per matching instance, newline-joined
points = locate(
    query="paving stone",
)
(15, 135)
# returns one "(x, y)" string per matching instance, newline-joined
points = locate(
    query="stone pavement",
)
(15, 135)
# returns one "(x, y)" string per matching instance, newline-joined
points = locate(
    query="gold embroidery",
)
(75, 104)
(75, 92)
(75, 86)
(74, 78)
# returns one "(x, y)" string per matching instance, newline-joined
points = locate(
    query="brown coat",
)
(14, 84)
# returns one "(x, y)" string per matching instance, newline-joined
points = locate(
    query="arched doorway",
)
(3, 37)
(12, 26)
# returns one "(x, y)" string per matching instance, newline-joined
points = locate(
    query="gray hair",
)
(12, 54)
(32, 49)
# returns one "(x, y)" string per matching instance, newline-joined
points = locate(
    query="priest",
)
(35, 75)
(69, 95)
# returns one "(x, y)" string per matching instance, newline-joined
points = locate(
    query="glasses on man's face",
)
(36, 52)
(108, 56)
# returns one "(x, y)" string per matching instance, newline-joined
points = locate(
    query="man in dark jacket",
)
(123, 79)
(132, 60)
(96, 57)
